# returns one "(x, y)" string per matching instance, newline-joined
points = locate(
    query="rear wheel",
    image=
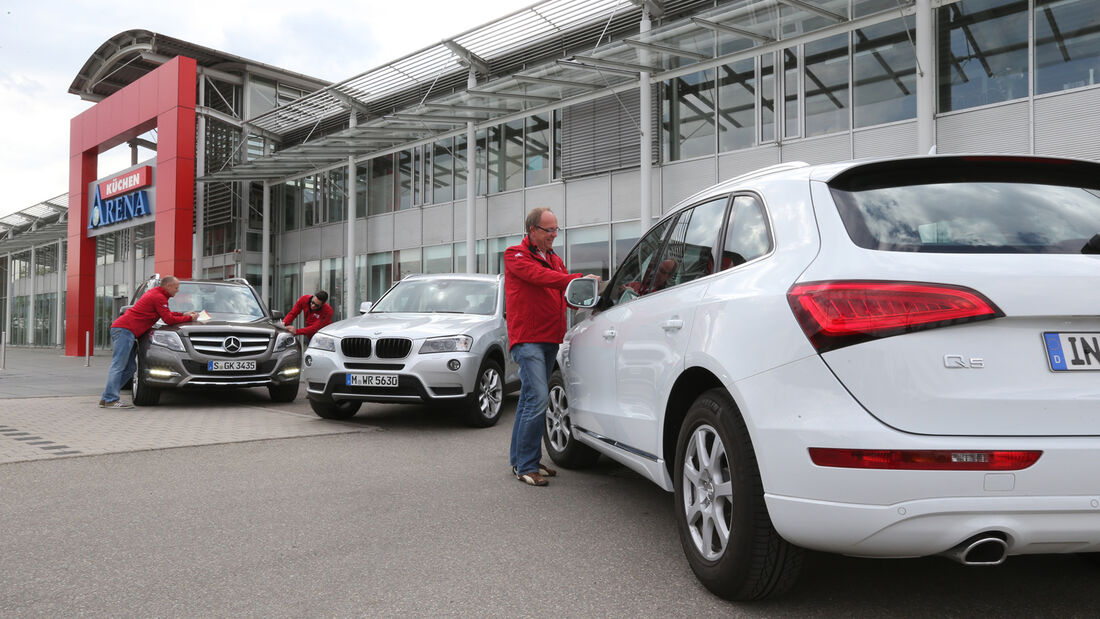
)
(344, 409)
(483, 405)
(144, 395)
(721, 517)
(559, 440)
(283, 393)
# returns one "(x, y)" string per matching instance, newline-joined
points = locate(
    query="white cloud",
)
(44, 44)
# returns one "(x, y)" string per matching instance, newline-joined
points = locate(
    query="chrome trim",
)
(612, 442)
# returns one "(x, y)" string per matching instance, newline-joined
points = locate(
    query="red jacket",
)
(315, 319)
(144, 314)
(534, 290)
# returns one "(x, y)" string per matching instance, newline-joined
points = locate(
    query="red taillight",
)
(836, 314)
(924, 460)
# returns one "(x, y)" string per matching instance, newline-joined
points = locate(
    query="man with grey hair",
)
(534, 283)
(132, 324)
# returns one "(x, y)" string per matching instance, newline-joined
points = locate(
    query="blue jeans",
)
(536, 363)
(123, 362)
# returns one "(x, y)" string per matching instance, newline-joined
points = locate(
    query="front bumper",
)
(166, 369)
(421, 378)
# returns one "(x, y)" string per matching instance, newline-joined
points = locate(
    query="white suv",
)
(894, 358)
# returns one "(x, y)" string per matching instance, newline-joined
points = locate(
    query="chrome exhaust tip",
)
(982, 549)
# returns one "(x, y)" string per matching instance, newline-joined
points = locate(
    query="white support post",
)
(265, 246)
(349, 261)
(471, 185)
(926, 78)
(30, 299)
(59, 317)
(645, 121)
(200, 199)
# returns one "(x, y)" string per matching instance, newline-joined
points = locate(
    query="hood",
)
(413, 326)
(221, 325)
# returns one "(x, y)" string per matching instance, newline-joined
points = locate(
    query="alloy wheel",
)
(708, 492)
(557, 419)
(490, 393)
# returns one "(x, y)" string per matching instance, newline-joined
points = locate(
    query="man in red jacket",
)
(132, 324)
(318, 313)
(534, 284)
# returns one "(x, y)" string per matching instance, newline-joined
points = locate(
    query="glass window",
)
(827, 85)
(261, 96)
(404, 180)
(479, 255)
(381, 274)
(45, 317)
(291, 199)
(480, 169)
(380, 188)
(20, 316)
(790, 93)
(408, 262)
(636, 269)
(45, 259)
(361, 172)
(332, 282)
(689, 253)
(767, 98)
(289, 286)
(437, 259)
(747, 235)
(737, 105)
(336, 194)
(623, 237)
(537, 169)
(460, 167)
(982, 52)
(418, 175)
(587, 251)
(688, 116)
(1067, 48)
(443, 162)
(557, 143)
(311, 201)
(885, 73)
(496, 251)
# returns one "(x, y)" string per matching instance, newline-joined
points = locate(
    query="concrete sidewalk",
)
(46, 372)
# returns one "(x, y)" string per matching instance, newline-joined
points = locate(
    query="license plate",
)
(371, 380)
(1069, 352)
(230, 366)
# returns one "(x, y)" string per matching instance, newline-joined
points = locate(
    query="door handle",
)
(674, 324)
(609, 334)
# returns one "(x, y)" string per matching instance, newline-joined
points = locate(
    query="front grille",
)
(392, 348)
(216, 343)
(355, 347)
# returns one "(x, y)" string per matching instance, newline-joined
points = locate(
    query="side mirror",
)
(364, 307)
(277, 314)
(582, 293)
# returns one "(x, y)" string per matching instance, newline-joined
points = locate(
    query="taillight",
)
(840, 313)
(924, 460)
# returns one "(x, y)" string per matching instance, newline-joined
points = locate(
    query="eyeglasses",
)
(312, 304)
(550, 230)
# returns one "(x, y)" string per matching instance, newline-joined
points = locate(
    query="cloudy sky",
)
(43, 43)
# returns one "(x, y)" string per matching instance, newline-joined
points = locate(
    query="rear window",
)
(987, 213)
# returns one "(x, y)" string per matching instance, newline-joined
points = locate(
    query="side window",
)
(628, 280)
(689, 254)
(747, 235)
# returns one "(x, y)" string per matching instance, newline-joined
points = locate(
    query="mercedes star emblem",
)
(231, 344)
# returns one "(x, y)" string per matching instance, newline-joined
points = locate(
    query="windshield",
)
(232, 303)
(452, 296)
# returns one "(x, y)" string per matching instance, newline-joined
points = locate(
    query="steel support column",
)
(471, 186)
(646, 122)
(265, 246)
(926, 77)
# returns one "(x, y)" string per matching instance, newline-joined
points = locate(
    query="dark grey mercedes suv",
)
(236, 342)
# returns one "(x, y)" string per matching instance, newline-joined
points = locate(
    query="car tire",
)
(483, 404)
(718, 495)
(144, 394)
(561, 445)
(286, 392)
(344, 409)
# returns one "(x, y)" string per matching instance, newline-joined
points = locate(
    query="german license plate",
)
(230, 366)
(1069, 352)
(371, 380)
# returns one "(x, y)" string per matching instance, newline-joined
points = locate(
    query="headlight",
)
(168, 339)
(451, 343)
(284, 342)
(321, 341)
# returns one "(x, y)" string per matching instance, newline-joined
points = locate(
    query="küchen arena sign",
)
(121, 201)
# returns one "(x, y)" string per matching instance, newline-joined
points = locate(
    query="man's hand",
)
(293, 330)
(193, 314)
(594, 276)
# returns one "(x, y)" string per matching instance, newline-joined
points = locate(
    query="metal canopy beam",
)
(806, 6)
(434, 118)
(588, 62)
(719, 27)
(512, 95)
(666, 49)
(547, 81)
(469, 58)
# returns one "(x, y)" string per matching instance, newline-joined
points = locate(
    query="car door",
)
(589, 350)
(652, 336)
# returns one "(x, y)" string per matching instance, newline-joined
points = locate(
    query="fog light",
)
(309, 360)
(453, 365)
(291, 371)
(161, 373)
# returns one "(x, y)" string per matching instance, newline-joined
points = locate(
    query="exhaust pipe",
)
(982, 549)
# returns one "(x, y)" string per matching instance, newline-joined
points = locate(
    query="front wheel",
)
(559, 440)
(283, 393)
(344, 409)
(721, 517)
(144, 395)
(483, 405)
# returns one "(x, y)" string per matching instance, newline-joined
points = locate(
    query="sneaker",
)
(115, 404)
(533, 479)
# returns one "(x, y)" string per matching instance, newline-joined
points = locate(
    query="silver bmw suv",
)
(236, 342)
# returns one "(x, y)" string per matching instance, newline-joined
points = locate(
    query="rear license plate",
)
(230, 366)
(371, 380)
(1068, 352)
